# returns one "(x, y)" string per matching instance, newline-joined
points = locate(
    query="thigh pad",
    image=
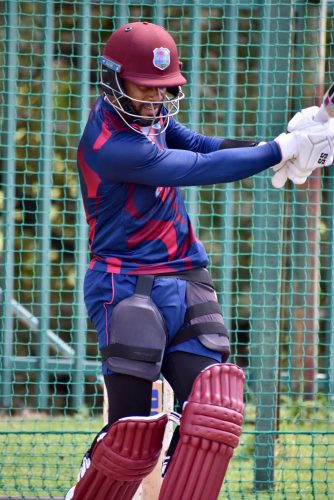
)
(205, 320)
(137, 336)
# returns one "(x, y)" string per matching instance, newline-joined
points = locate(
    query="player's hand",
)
(307, 150)
(303, 119)
(290, 170)
(313, 146)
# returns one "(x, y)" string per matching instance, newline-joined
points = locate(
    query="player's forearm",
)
(185, 168)
(230, 165)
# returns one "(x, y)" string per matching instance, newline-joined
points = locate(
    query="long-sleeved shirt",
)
(130, 185)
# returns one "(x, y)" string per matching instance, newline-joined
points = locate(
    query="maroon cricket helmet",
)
(145, 54)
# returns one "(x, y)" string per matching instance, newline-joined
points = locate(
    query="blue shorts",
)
(103, 291)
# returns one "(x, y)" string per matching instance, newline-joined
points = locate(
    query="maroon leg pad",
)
(209, 431)
(122, 458)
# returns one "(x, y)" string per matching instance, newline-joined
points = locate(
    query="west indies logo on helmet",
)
(161, 58)
(144, 54)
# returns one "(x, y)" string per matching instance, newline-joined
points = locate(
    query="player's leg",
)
(180, 369)
(126, 450)
(127, 396)
(109, 469)
(210, 428)
(200, 341)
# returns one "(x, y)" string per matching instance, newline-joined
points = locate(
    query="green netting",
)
(249, 65)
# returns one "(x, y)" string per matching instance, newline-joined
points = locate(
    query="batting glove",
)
(291, 170)
(303, 119)
(307, 149)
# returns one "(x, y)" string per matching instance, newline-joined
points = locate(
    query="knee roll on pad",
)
(210, 430)
(121, 459)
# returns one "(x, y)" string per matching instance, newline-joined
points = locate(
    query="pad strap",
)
(202, 309)
(204, 328)
(135, 353)
(193, 331)
(144, 284)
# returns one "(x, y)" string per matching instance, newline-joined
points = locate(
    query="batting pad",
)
(209, 431)
(122, 458)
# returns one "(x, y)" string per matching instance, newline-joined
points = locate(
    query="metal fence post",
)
(44, 205)
(194, 92)
(227, 197)
(9, 163)
(80, 320)
(267, 241)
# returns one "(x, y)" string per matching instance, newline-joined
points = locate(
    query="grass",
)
(304, 468)
(40, 457)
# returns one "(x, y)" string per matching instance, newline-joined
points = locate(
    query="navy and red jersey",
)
(130, 185)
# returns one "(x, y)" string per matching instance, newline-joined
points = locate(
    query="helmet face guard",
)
(146, 55)
(125, 105)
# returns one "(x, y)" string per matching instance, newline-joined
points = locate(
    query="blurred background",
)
(250, 66)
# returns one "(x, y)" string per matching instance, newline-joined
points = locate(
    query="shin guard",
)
(121, 458)
(209, 431)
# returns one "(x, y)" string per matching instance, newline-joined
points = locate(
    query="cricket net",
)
(250, 65)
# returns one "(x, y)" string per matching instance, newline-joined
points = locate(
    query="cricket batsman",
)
(147, 289)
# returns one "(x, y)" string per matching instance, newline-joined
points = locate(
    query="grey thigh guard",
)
(137, 336)
(204, 320)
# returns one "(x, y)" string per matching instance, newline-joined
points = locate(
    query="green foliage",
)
(297, 411)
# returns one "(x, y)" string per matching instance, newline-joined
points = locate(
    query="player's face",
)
(151, 94)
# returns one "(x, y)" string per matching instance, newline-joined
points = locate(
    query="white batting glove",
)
(303, 119)
(292, 171)
(313, 146)
(306, 118)
(307, 149)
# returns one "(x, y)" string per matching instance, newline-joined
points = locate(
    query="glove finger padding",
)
(303, 119)
(281, 176)
(296, 174)
(279, 166)
(293, 171)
